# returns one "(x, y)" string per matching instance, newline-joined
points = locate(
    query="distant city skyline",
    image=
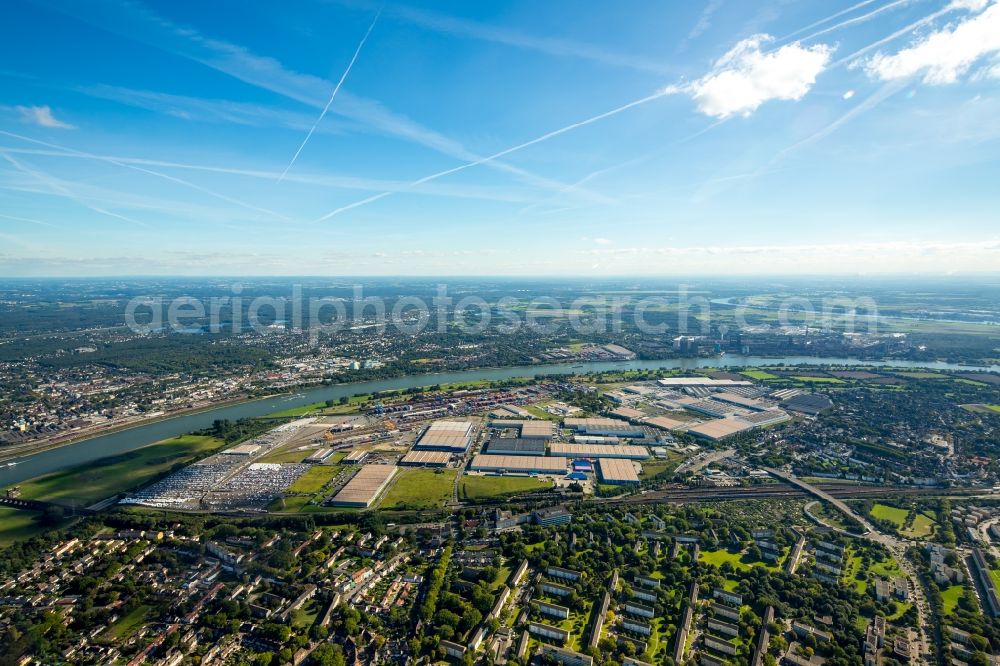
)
(352, 138)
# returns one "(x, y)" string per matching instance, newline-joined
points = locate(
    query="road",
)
(984, 534)
(896, 547)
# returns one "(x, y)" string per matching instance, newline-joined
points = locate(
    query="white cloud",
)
(42, 115)
(945, 55)
(848, 95)
(746, 77)
(991, 72)
(602, 241)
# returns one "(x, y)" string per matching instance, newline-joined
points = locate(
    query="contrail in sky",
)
(133, 167)
(857, 19)
(336, 89)
(829, 18)
(502, 153)
(54, 185)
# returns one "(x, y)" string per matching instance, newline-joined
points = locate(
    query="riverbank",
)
(15, 453)
(139, 435)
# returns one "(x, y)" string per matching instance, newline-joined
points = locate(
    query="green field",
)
(98, 480)
(950, 597)
(921, 375)
(481, 487)
(18, 525)
(995, 575)
(760, 375)
(314, 480)
(719, 557)
(818, 380)
(420, 489)
(892, 514)
(923, 526)
(128, 625)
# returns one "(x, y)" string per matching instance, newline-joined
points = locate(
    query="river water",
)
(123, 441)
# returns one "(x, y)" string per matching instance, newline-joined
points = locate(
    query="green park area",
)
(949, 598)
(420, 489)
(720, 557)
(892, 514)
(484, 487)
(856, 574)
(86, 484)
(18, 525)
(921, 526)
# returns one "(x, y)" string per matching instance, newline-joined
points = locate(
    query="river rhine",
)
(123, 441)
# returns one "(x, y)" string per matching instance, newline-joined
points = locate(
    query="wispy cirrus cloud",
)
(61, 189)
(324, 180)
(747, 76)
(495, 156)
(135, 21)
(945, 55)
(42, 116)
(222, 111)
(150, 172)
(553, 46)
(333, 95)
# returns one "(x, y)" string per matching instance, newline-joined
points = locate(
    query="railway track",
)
(779, 490)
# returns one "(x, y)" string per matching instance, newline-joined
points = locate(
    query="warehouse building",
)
(710, 407)
(703, 382)
(665, 422)
(451, 436)
(720, 429)
(603, 426)
(769, 417)
(528, 428)
(510, 411)
(365, 487)
(516, 446)
(741, 401)
(811, 404)
(355, 457)
(629, 414)
(599, 451)
(426, 459)
(616, 471)
(320, 456)
(485, 462)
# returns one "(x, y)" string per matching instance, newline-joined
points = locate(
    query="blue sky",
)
(342, 137)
